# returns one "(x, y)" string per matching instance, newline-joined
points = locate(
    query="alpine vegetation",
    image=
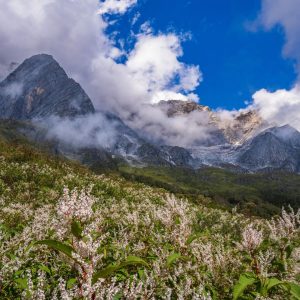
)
(67, 233)
(117, 182)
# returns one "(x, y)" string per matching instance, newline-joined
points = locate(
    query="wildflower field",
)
(66, 233)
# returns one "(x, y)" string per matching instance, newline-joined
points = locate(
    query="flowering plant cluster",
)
(66, 233)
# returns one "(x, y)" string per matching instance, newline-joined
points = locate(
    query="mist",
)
(93, 130)
(75, 33)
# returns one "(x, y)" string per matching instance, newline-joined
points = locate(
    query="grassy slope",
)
(260, 194)
(128, 218)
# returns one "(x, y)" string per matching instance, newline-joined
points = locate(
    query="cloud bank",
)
(75, 33)
(282, 106)
(84, 131)
(115, 7)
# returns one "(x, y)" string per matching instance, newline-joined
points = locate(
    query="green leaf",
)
(172, 258)
(289, 249)
(280, 265)
(245, 280)
(118, 296)
(270, 283)
(195, 236)
(294, 290)
(273, 282)
(134, 260)
(29, 246)
(76, 229)
(59, 246)
(45, 269)
(108, 271)
(71, 282)
(22, 283)
(212, 292)
(141, 273)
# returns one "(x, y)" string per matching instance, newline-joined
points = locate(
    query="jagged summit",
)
(38, 88)
(287, 134)
(244, 126)
(178, 107)
(270, 150)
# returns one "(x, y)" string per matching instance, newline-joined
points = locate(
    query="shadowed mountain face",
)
(39, 88)
(277, 147)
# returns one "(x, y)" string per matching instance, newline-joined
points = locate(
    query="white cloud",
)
(285, 13)
(74, 32)
(280, 107)
(154, 64)
(115, 6)
(84, 131)
(13, 90)
(135, 18)
(169, 95)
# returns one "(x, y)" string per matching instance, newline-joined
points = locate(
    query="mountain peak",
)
(40, 87)
(178, 107)
(41, 57)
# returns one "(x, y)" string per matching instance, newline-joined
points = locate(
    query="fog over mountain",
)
(125, 87)
(180, 133)
(125, 82)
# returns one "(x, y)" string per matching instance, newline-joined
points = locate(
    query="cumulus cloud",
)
(84, 131)
(186, 130)
(115, 6)
(74, 32)
(285, 13)
(167, 95)
(280, 107)
(156, 72)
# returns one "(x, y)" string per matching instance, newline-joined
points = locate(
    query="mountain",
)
(287, 134)
(244, 125)
(143, 242)
(40, 88)
(40, 92)
(275, 148)
(177, 107)
(241, 127)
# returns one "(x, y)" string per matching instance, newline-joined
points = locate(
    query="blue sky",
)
(87, 36)
(235, 61)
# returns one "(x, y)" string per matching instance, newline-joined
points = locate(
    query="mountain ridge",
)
(39, 89)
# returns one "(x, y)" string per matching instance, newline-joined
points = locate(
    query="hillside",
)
(102, 237)
(262, 194)
(40, 93)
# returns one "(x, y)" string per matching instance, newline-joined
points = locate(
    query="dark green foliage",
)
(253, 194)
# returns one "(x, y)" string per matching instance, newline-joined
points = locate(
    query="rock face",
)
(178, 156)
(38, 88)
(244, 126)
(275, 148)
(177, 107)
